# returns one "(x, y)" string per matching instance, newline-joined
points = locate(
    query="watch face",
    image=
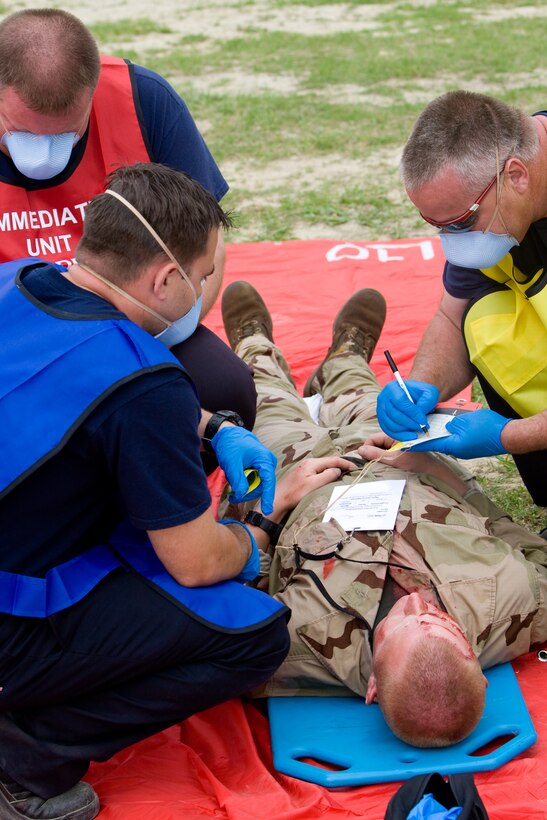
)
(218, 418)
(232, 416)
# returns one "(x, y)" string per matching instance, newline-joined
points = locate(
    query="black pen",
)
(400, 382)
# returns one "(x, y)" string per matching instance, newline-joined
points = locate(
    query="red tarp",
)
(218, 764)
(304, 285)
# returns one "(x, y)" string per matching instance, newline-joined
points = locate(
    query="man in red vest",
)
(68, 118)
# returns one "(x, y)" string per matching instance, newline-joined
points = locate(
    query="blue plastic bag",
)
(430, 809)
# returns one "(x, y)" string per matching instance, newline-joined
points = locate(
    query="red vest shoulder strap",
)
(117, 118)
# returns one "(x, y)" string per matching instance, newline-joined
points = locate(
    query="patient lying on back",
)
(409, 616)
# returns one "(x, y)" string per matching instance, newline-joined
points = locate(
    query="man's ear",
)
(161, 279)
(517, 174)
(372, 690)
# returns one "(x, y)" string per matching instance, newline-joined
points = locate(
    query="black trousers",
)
(222, 379)
(531, 466)
(122, 664)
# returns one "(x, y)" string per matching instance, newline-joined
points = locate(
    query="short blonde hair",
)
(435, 698)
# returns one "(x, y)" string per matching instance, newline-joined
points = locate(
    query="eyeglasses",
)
(465, 221)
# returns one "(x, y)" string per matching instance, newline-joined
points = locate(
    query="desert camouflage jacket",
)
(486, 571)
(460, 551)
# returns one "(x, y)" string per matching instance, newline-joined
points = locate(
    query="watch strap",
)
(212, 426)
(270, 527)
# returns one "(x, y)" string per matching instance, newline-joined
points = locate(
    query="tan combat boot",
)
(356, 329)
(244, 313)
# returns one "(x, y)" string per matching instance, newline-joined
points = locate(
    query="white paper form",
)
(369, 506)
(437, 428)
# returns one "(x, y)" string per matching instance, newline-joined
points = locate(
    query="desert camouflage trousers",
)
(459, 550)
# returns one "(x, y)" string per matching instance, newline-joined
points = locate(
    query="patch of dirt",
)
(240, 82)
(220, 20)
(414, 92)
(423, 91)
(498, 13)
(311, 171)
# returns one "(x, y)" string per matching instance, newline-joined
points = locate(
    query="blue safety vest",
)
(55, 369)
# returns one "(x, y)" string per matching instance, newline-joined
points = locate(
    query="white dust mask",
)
(40, 156)
(475, 249)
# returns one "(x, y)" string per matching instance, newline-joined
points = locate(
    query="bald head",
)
(48, 58)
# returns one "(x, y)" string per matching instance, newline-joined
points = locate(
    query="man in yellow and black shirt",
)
(477, 170)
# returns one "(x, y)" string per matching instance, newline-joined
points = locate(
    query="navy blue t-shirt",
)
(169, 131)
(136, 455)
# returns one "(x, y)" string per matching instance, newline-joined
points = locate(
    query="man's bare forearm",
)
(203, 551)
(525, 435)
(442, 357)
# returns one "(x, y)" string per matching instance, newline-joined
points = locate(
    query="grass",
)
(280, 87)
(126, 29)
(505, 488)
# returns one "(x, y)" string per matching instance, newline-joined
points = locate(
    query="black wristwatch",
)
(214, 423)
(258, 520)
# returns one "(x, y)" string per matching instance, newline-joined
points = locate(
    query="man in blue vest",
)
(122, 607)
(476, 169)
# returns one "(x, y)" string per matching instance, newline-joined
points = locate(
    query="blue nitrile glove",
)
(237, 449)
(472, 435)
(252, 567)
(397, 416)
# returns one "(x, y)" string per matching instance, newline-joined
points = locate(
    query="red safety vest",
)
(47, 223)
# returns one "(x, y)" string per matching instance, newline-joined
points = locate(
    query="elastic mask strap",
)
(499, 188)
(3, 124)
(156, 236)
(124, 293)
(299, 554)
